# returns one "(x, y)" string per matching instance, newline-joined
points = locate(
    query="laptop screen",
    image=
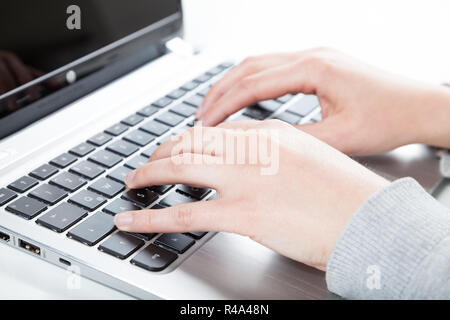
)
(49, 45)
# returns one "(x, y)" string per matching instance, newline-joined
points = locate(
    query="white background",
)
(406, 37)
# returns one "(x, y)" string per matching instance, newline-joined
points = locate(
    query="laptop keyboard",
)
(80, 191)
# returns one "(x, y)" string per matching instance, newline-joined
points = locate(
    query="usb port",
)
(29, 247)
(65, 262)
(4, 237)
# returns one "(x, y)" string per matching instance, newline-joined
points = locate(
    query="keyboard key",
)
(241, 117)
(288, 117)
(196, 193)
(117, 129)
(88, 200)
(190, 85)
(62, 217)
(196, 235)
(257, 113)
(174, 199)
(203, 78)
(226, 65)
(107, 187)
(148, 111)
(317, 117)
(23, 184)
(123, 148)
(215, 71)
(270, 105)
(154, 258)
(68, 181)
(144, 236)
(63, 160)
(155, 128)
(119, 174)
(141, 197)
(149, 151)
(195, 100)
(177, 94)
(170, 118)
(82, 149)
(139, 137)
(119, 206)
(100, 139)
(204, 91)
(175, 241)
(87, 169)
(285, 98)
(26, 208)
(161, 189)
(94, 229)
(137, 162)
(184, 110)
(157, 206)
(44, 172)
(105, 158)
(48, 194)
(6, 196)
(305, 105)
(121, 245)
(132, 120)
(162, 102)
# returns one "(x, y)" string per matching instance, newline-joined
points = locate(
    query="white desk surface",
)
(406, 37)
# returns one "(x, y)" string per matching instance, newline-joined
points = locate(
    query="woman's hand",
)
(365, 111)
(279, 186)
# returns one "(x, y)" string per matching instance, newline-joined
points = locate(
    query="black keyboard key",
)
(26, 208)
(141, 197)
(107, 187)
(139, 137)
(6, 196)
(288, 117)
(175, 241)
(119, 206)
(100, 139)
(117, 129)
(63, 160)
(170, 118)
(285, 98)
(196, 193)
(88, 200)
(195, 100)
(123, 148)
(305, 105)
(44, 172)
(121, 245)
(23, 184)
(144, 236)
(148, 111)
(137, 162)
(82, 149)
(48, 194)
(94, 229)
(157, 206)
(177, 94)
(105, 158)
(149, 151)
(119, 174)
(191, 85)
(203, 78)
(62, 217)
(270, 105)
(162, 102)
(184, 110)
(133, 120)
(154, 258)
(87, 169)
(196, 235)
(68, 181)
(161, 189)
(155, 128)
(257, 113)
(174, 199)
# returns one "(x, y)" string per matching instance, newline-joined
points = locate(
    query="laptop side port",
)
(29, 247)
(65, 262)
(4, 237)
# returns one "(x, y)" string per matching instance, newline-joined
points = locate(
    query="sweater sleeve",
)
(396, 246)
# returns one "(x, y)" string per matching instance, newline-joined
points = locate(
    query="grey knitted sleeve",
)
(396, 246)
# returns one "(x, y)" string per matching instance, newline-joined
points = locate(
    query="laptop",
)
(88, 91)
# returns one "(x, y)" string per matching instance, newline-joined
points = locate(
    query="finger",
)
(20, 71)
(200, 216)
(191, 169)
(247, 67)
(268, 84)
(7, 81)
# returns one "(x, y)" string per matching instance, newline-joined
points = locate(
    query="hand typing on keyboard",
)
(298, 211)
(364, 110)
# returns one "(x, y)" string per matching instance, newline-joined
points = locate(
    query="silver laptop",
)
(88, 89)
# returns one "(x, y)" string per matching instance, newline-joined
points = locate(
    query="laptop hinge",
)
(180, 47)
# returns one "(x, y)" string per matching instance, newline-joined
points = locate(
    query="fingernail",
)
(130, 177)
(123, 220)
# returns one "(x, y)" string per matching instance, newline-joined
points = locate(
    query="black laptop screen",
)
(38, 38)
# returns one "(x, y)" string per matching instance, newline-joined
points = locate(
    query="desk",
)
(406, 37)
